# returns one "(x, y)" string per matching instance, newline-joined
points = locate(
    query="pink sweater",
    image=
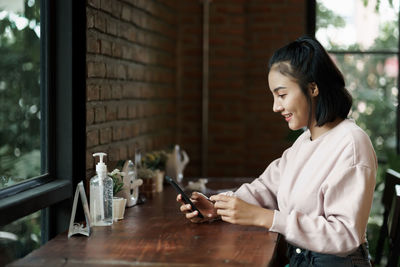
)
(321, 190)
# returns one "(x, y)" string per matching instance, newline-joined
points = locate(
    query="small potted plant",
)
(118, 202)
(155, 161)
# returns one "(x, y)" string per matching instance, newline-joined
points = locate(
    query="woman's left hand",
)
(237, 211)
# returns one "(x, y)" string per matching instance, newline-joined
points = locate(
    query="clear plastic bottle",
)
(101, 195)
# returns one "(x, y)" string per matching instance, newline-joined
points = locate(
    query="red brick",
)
(96, 69)
(112, 27)
(116, 8)
(123, 153)
(92, 92)
(126, 13)
(99, 114)
(116, 91)
(89, 19)
(129, 34)
(110, 70)
(105, 135)
(126, 131)
(117, 133)
(121, 72)
(105, 92)
(105, 47)
(93, 45)
(106, 5)
(122, 111)
(116, 50)
(230, 8)
(131, 111)
(94, 3)
(143, 127)
(111, 112)
(113, 154)
(92, 138)
(130, 91)
(100, 22)
(89, 116)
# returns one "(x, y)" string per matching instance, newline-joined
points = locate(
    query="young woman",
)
(319, 193)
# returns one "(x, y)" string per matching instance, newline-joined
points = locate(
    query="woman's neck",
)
(317, 131)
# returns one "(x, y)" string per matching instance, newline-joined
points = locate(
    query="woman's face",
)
(289, 100)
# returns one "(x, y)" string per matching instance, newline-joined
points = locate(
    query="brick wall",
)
(270, 25)
(144, 80)
(227, 88)
(131, 77)
(189, 86)
(244, 134)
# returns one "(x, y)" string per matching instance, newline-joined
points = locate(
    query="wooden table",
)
(157, 234)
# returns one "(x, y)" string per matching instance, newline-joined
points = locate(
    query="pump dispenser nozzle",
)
(101, 167)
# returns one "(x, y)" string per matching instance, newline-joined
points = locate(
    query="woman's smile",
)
(287, 116)
(289, 100)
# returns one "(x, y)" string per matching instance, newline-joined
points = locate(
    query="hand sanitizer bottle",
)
(101, 195)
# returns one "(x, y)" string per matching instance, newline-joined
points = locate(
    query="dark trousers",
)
(299, 257)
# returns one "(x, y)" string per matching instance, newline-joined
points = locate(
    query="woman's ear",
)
(313, 88)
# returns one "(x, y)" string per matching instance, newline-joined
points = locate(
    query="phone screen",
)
(185, 198)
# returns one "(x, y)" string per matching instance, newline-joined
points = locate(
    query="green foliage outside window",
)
(19, 238)
(19, 93)
(20, 146)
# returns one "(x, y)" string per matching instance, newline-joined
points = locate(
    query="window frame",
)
(63, 79)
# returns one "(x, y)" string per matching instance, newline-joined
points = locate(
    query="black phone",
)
(185, 198)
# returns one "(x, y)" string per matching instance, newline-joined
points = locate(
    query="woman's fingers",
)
(202, 202)
(221, 205)
(221, 198)
(186, 208)
(191, 215)
(195, 196)
(227, 207)
(180, 199)
(224, 212)
(224, 202)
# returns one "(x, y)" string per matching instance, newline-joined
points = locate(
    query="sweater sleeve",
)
(340, 228)
(263, 190)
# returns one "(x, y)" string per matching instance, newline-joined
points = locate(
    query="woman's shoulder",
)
(349, 131)
(353, 139)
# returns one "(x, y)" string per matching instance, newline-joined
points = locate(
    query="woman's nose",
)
(277, 107)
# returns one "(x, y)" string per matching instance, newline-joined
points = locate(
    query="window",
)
(363, 39)
(54, 106)
(19, 238)
(20, 92)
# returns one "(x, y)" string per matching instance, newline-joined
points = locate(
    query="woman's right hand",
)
(205, 206)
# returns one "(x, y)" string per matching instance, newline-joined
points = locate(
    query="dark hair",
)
(307, 62)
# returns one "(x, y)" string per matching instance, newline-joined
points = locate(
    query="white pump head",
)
(101, 167)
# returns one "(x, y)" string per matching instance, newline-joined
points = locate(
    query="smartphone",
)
(185, 198)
